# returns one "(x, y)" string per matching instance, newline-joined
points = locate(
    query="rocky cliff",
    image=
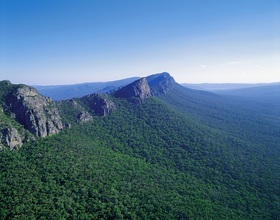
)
(153, 85)
(36, 112)
(137, 91)
(100, 104)
(25, 114)
(161, 83)
(11, 137)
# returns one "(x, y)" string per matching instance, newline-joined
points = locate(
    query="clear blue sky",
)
(74, 41)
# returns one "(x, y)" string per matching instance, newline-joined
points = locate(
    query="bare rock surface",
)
(161, 83)
(36, 112)
(101, 104)
(137, 91)
(11, 138)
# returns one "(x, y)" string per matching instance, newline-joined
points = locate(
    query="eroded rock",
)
(36, 112)
(11, 137)
(161, 83)
(84, 117)
(100, 104)
(137, 91)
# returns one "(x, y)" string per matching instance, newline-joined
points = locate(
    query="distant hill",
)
(266, 95)
(62, 92)
(263, 94)
(224, 86)
(267, 91)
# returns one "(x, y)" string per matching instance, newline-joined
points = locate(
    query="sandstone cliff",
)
(137, 91)
(100, 104)
(36, 112)
(11, 137)
(161, 83)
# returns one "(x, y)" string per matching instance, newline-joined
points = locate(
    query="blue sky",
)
(47, 42)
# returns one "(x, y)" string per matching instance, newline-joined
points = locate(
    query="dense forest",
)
(181, 155)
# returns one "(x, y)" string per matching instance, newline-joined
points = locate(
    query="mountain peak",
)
(161, 83)
(137, 91)
(146, 87)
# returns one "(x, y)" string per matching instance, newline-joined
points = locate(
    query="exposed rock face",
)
(37, 113)
(137, 91)
(161, 83)
(11, 137)
(100, 104)
(73, 111)
(84, 117)
(72, 103)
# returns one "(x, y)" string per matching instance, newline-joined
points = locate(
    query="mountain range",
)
(146, 149)
(62, 92)
(225, 86)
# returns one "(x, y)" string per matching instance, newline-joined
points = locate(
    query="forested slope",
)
(238, 117)
(180, 154)
(142, 161)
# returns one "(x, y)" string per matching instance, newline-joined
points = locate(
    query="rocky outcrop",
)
(37, 113)
(100, 104)
(84, 116)
(161, 83)
(137, 91)
(11, 137)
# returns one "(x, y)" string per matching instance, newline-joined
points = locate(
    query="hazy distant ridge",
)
(62, 92)
(225, 86)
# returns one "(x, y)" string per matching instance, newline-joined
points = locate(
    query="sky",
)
(51, 42)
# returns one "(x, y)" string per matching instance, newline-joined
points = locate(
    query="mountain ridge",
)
(175, 153)
(225, 86)
(42, 116)
(63, 92)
